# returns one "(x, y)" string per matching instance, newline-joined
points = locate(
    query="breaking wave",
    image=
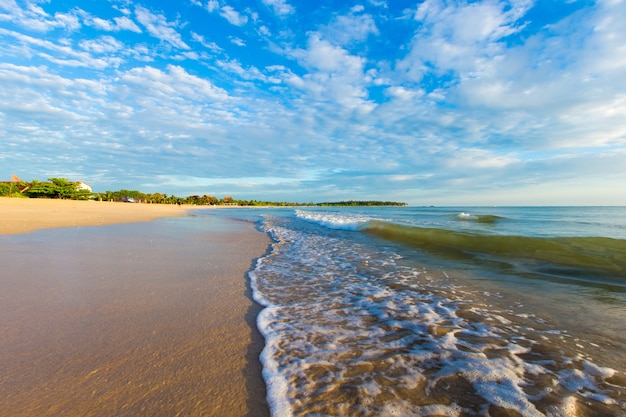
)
(567, 255)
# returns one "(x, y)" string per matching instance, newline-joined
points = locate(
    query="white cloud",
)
(334, 76)
(558, 88)
(264, 31)
(69, 22)
(94, 63)
(41, 77)
(403, 94)
(101, 24)
(472, 158)
(212, 5)
(59, 54)
(158, 26)
(105, 44)
(348, 28)
(43, 107)
(323, 56)
(233, 17)
(237, 41)
(118, 23)
(209, 45)
(470, 23)
(34, 18)
(378, 3)
(250, 73)
(9, 5)
(124, 23)
(573, 91)
(174, 83)
(461, 37)
(280, 7)
(144, 110)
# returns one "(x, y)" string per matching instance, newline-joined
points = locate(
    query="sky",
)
(434, 102)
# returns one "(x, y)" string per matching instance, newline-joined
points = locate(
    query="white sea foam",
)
(335, 220)
(277, 384)
(349, 330)
(465, 216)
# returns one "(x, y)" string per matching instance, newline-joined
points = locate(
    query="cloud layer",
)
(455, 102)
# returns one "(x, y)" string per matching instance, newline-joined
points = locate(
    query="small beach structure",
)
(80, 185)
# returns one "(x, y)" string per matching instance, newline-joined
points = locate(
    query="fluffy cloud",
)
(280, 7)
(158, 26)
(536, 85)
(119, 23)
(333, 73)
(212, 5)
(202, 40)
(462, 38)
(345, 29)
(55, 53)
(174, 82)
(233, 16)
(105, 44)
(35, 18)
(124, 23)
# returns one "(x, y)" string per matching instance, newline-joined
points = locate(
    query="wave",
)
(569, 256)
(332, 220)
(478, 218)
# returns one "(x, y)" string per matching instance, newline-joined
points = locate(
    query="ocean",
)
(442, 311)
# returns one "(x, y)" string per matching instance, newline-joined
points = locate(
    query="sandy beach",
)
(21, 215)
(146, 318)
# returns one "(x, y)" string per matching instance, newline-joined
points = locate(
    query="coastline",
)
(144, 318)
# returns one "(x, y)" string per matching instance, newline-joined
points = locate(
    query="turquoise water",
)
(443, 311)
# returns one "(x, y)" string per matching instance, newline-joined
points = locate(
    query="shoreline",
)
(143, 318)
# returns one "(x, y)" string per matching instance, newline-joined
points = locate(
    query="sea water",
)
(426, 311)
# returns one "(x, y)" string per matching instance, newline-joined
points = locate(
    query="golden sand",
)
(127, 321)
(21, 215)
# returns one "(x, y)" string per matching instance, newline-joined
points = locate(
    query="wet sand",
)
(141, 319)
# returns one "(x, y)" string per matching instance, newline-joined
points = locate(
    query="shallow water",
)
(359, 322)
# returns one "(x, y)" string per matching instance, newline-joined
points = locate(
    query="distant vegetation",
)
(61, 188)
(363, 203)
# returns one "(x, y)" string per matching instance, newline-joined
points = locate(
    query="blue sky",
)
(516, 102)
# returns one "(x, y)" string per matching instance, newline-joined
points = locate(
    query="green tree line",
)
(352, 203)
(61, 188)
(53, 188)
